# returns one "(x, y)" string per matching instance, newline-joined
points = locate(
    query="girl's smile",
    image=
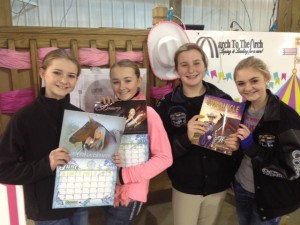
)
(124, 82)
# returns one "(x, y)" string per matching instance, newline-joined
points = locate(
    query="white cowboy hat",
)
(163, 41)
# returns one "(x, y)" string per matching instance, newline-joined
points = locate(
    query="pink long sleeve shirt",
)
(136, 178)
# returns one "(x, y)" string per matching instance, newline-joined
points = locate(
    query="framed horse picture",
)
(222, 117)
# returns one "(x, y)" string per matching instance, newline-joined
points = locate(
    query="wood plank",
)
(295, 26)
(5, 13)
(129, 45)
(288, 16)
(74, 48)
(35, 78)
(112, 53)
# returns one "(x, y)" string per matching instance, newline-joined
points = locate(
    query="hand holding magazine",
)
(222, 117)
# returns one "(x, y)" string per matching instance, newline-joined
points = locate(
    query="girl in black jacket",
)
(29, 152)
(267, 183)
(200, 177)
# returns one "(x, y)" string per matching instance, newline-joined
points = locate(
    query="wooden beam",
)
(295, 26)
(5, 13)
(288, 16)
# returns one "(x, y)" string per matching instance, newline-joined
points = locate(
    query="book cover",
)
(89, 179)
(134, 147)
(222, 117)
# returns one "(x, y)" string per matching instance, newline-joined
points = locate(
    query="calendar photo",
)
(89, 179)
(134, 147)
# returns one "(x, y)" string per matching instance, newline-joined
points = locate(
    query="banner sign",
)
(280, 51)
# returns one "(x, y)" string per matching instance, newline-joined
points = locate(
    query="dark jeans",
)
(122, 215)
(80, 217)
(247, 210)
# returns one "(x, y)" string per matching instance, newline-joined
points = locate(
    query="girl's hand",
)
(195, 126)
(243, 132)
(107, 100)
(59, 156)
(117, 159)
(232, 142)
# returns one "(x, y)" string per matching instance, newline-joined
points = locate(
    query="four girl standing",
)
(269, 136)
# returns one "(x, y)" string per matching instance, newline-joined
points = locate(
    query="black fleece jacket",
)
(195, 170)
(32, 133)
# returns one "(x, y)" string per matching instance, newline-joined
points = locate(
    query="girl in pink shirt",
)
(133, 182)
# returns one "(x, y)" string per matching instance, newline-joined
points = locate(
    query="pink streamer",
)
(12, 101)
(93, 57)
(14, 60)
(87, 56)
(131, 55)
(159, 92)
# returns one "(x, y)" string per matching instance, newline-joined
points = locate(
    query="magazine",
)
(89, 179)
(134, 148)
(222, 117)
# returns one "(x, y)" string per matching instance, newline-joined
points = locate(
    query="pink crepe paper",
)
(12, 101)
(159, 92)
(14, 60)
(131, 55)
(93, 57)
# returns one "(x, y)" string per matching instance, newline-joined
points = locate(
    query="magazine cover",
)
(222, 117)
(134, 148)
(89, 178)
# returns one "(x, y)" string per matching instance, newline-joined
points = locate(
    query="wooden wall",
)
(288, 17)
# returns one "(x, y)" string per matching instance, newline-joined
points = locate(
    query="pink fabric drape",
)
(12, 101)
(133, 56)
(14, 60)
(159, 92)
(93, 57)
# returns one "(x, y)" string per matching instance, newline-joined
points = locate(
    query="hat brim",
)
(162, 29)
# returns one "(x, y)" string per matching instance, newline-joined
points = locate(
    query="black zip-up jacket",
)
(275, 156)
(32, 133)
(195, 170)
